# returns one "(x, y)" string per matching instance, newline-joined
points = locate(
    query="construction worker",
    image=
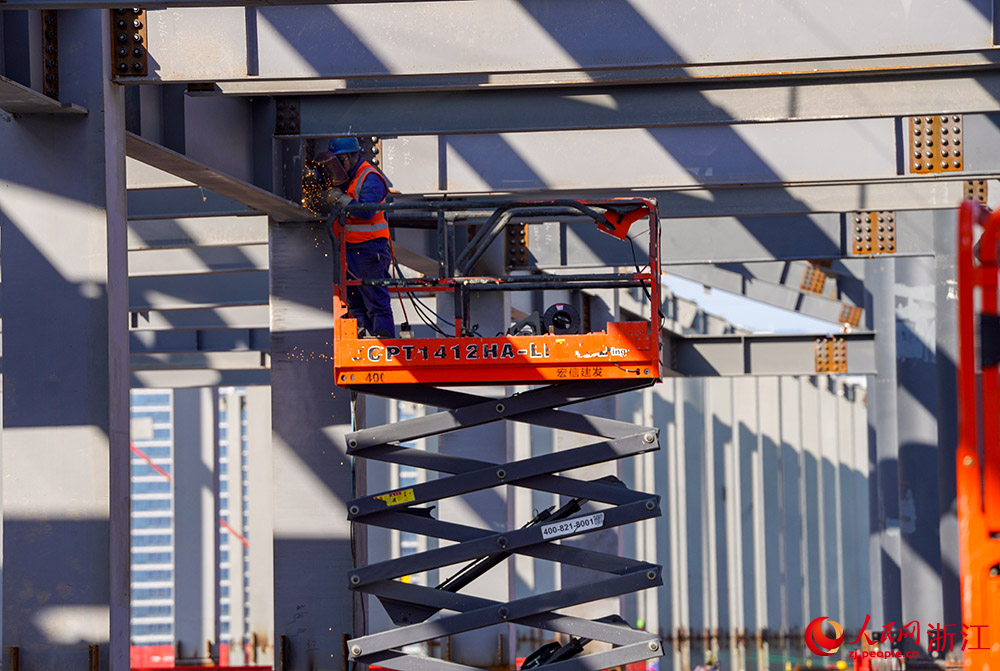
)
(367, 238)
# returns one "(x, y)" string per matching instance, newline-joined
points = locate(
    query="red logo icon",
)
(820, 643)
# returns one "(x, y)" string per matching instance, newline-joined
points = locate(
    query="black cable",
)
(635, 260)
(413, 299)
(417, 308)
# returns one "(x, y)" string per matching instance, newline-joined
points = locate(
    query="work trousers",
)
(370, 260)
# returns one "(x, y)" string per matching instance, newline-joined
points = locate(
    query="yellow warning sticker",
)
(395, 498)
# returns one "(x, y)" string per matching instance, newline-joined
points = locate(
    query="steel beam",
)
(172, 4)
(238, 317)
(16, 98)
(212, 290)
(724, 240)
(201, 262)
(199, 377)
(205, 176)
(903, 65)
(659, 158)
(578, 44)
(180, 233)
(182, 203)
(736, 355)
(214, 340)
(191, 360)
(188, 204)
(806, 199)
(790, 273)
(649, 106)
(810, 304)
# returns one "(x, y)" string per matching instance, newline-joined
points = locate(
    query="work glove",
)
(338, 198)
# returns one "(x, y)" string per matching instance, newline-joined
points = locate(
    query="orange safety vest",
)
(363, 230)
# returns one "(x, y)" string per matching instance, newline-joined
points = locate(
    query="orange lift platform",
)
(565, 359)
(621, 350)
(978, 453)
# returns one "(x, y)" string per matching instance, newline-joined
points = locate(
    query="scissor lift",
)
(978, 454)
(571, 368)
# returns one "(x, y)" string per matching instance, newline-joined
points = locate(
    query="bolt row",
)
(129, 36)
(936, 143)
(874, 233)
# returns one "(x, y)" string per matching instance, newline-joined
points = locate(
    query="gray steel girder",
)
(737, 355)
(719, 240)
(19, 99)
(577, 42)
(400, 510)
(779, 295)
(687, 158)
(205, 176)
(697, 103)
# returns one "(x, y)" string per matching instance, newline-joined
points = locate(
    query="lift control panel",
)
(558, 348)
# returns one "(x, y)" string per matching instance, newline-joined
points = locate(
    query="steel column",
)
(793, 617)
(236, 534)
(813, 596)
(668, 532)
(880, 281)
(862, 502)
(772, 550)
(260, 533)
(917, 435)
(734, 513)
(196, 525)
(718, 420)
(831, 538)
(312, 474)
(751, 485)
(853, 499)
(946, 357)
(66, 418)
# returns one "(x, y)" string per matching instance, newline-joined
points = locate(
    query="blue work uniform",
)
(369, 260)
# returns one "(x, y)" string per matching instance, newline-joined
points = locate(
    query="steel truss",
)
(411, 606)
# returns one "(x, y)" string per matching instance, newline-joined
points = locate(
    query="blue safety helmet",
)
(344, 145)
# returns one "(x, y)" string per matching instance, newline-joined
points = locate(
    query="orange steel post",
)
(978, 476)
(623, 350)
